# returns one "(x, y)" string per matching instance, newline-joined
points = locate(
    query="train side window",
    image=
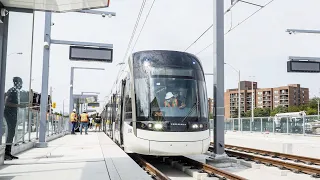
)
(128, 102)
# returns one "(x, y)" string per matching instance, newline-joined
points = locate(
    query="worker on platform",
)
(91, 123)
(73, 119)
(97, 122)
(84, 122)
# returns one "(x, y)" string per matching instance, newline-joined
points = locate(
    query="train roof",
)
(161, 58)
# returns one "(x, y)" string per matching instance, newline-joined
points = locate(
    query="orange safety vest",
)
(73, 117)
(174, 103)
(84, 117)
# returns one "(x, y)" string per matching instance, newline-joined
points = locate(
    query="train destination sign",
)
(303, 66)
(79, 53)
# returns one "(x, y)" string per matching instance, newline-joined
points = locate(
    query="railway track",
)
(154, 172)
(205, 168)
(184, 163)
(283, 156)
(295, 167)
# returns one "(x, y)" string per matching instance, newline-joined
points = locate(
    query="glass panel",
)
(127, 100)
(142, 98)
(256, 125)
(228, 124)
(295, 125)
(236, 125)
(174, 97)
(203, 99)
(246, 124)
(17, 79)
(267, 124)
(313, 125)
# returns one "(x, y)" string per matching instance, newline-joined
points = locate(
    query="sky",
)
(258, 47)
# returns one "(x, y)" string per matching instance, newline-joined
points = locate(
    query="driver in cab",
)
(171, 101)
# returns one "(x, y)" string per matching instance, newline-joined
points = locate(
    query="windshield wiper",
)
(190, 112)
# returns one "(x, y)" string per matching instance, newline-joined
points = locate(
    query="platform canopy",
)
(56, 5)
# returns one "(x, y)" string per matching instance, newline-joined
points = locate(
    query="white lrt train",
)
(159, 105)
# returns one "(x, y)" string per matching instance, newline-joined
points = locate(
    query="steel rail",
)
(297, 168)
(155, 173)
(283, 156)
(212, 171)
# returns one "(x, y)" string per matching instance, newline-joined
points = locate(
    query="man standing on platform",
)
(84, 122)
(12, 105)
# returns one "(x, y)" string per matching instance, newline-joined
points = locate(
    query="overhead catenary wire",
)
(130, 41)
(199, 37)
(143, 26)
(228, 10)
(121, 71)
(232, 28)
(134, 29)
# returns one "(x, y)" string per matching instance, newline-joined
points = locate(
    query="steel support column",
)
(45, 82)
(71, 104)
(3, 55)
(218, 83)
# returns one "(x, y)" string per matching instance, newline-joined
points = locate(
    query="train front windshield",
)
(170, 94)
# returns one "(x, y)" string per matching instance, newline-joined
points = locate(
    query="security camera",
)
(103, 15)
(291, 32)
(4, 12)
(46, 45)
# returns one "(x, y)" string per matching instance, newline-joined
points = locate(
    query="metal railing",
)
(309, 125)
(28, 125)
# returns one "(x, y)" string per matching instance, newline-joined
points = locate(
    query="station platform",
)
(74, 157)
(284, 143)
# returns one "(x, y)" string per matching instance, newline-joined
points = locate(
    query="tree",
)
(210, 116)
(313, 103)
(258, 112)
(235, 114)
(311, 111)
(311, 108)
(294, 108)
(247, 114)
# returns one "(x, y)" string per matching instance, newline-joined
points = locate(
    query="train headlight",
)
(150, 125)
(201, 126)
(195, 126)
(158, 126)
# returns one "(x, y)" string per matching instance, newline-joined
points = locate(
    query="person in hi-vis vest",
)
(84, 118)
(171, 101)
(73, 120)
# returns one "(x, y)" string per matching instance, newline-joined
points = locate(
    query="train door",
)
(117, 117)
(123, 85)
(113, 117)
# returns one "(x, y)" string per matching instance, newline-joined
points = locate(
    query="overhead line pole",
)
(218, 82)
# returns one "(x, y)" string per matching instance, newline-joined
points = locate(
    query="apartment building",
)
(210, 105)
(290, 95)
